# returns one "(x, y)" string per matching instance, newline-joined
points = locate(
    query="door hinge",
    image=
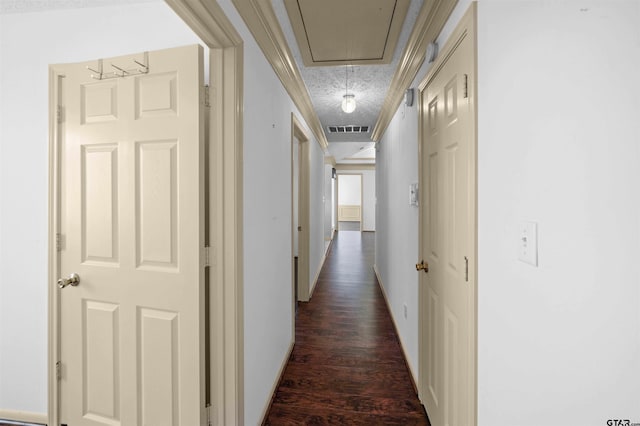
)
(205, 96)
(209, 409)
(466, 86)
(58, 370)
(59, 113)
(466, 269)
(208, 258)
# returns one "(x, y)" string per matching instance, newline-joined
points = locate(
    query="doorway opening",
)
(350, 202)
(299, 214)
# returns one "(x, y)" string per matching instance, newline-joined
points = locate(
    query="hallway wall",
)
(558, 145)
(317, 246)
(397, 221)
(267, 222)
(29, 42)
(328, 203)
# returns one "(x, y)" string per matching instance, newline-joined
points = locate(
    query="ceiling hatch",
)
(348, 129)
(338, 32)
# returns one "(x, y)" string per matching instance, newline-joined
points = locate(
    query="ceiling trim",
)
(208, 21)
(359, 159)
(433, 15)
(346, 167)
(261, 20)
(330, 159)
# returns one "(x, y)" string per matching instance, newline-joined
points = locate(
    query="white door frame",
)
(209, 22)
(467, 25)
(298, 132)
(55, 134)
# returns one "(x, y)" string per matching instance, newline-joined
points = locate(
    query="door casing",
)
(298, 132)
(466, 28)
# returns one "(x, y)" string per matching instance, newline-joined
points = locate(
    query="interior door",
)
(132, 229)
(448, 239)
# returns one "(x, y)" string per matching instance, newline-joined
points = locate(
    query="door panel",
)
(448, 239)
(132, 220)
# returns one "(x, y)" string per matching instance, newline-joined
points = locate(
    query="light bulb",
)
(348, 103)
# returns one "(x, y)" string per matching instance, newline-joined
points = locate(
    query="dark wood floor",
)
(347, 367)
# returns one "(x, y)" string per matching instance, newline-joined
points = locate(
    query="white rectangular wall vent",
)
(348, 129)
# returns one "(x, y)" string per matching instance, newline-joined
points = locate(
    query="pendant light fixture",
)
(348, 101)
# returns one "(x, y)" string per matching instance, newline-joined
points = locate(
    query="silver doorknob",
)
(73, 280)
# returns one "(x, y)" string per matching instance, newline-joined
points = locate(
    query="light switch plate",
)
(413, 194)
(528, 243)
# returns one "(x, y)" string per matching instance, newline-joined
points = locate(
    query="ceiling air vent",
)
(348, 129)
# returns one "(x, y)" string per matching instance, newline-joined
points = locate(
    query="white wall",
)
(368, 195)
(559, 141)
(317, 245)
(29, 42)
(349, 190)
(397, 221)
(328, 202)
(2, 292)
(559, 145)
(267, 222)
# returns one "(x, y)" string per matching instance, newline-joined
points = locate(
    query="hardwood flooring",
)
(347, 367)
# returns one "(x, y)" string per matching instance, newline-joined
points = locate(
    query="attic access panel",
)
(338, 32)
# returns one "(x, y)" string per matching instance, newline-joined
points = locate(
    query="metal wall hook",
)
(143, 68)
(124, 72)
(98, 72)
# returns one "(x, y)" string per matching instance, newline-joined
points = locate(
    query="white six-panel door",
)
(132, 228)
(448, 238)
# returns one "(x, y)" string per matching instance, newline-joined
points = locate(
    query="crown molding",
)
(433, 15)
(261, 20)
(360, 158)
(330, 159)
(346, 167)
(208, 21)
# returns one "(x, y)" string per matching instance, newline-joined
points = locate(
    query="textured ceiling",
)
(24, 6)
(326, 85)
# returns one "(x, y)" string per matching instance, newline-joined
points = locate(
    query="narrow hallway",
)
(347, 366)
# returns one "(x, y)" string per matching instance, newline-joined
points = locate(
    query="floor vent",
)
(348, 129)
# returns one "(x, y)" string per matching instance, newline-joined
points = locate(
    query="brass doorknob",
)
(422, 266)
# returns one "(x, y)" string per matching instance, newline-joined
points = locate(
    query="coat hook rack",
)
(120, 72)
(97, 74)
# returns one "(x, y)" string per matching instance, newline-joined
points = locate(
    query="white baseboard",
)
(414, 376)
(317, 275)
(274, 388)
(23, 416)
